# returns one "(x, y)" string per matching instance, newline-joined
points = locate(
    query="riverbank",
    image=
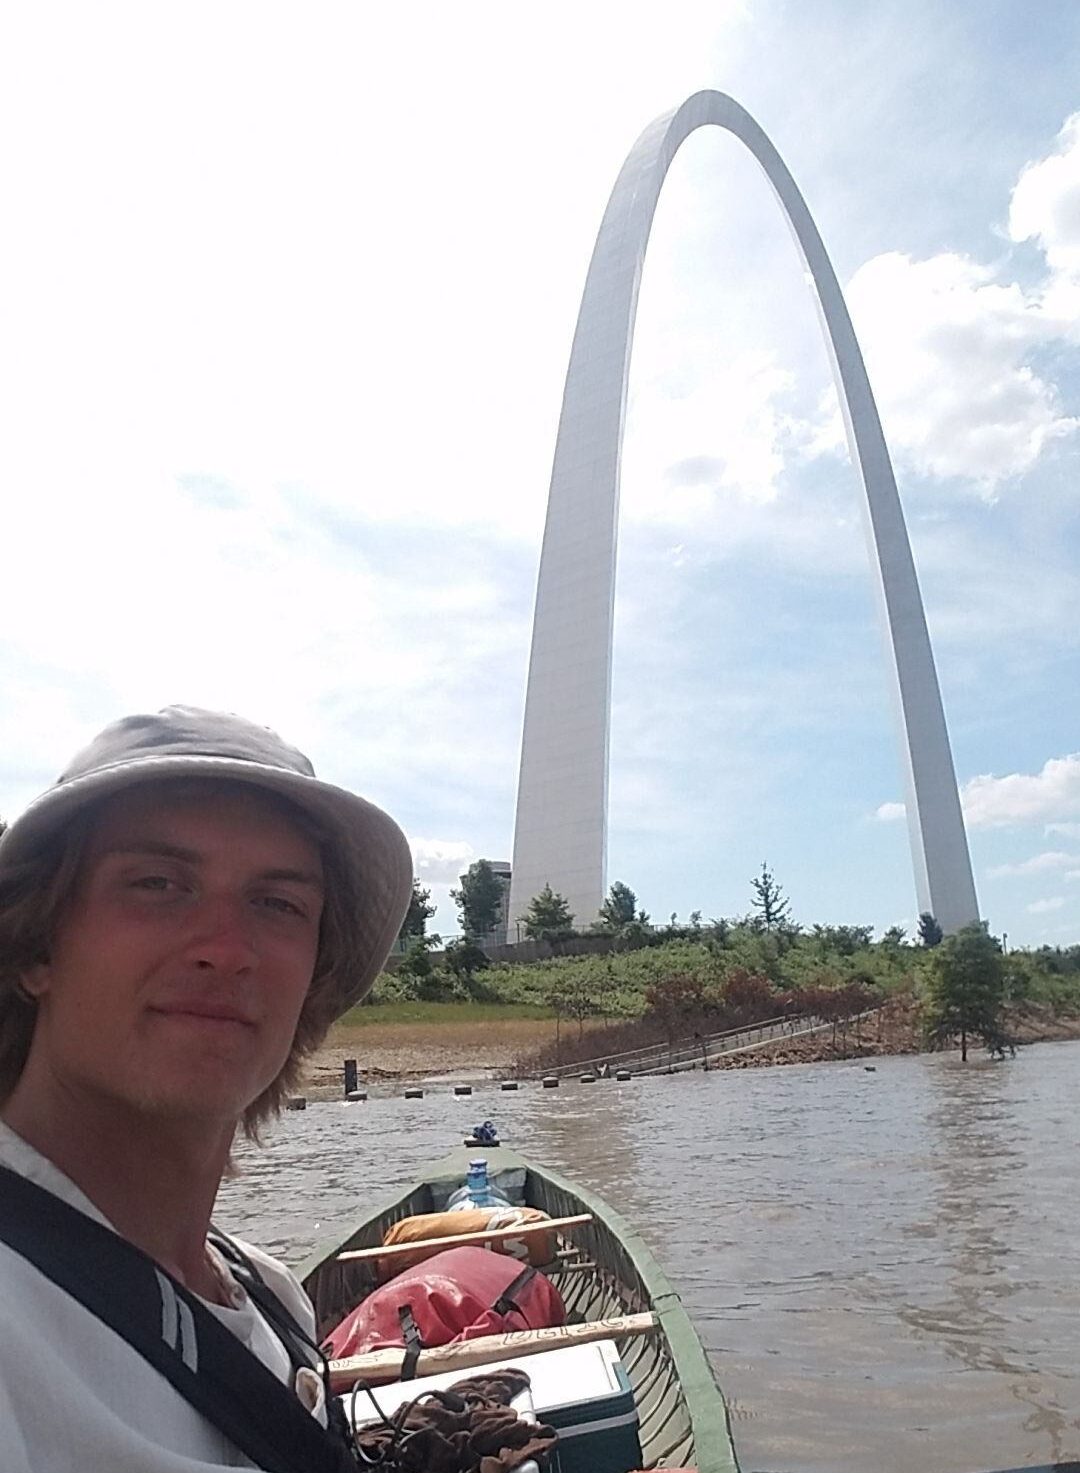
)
(462, 1043)
(895, 1029)
(455, 1046)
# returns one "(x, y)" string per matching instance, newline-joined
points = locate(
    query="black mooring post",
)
(350, 1076)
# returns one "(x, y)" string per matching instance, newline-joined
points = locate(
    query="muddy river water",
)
(884, 1266)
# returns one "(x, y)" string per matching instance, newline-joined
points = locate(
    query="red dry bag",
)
(460, 1294)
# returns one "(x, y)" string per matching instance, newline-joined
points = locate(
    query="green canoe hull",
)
(684, 1421)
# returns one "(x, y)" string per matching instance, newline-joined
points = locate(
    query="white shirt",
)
(75, 1397)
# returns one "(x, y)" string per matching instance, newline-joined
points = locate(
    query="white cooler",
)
(582, 1391)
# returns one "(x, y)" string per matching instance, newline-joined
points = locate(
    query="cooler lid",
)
(580, 1377)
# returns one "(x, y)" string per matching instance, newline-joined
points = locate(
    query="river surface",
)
(884, 1266)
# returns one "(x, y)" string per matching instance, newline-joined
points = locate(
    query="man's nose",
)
(223, 940)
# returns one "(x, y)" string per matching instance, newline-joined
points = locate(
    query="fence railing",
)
(637, 1057)
(684, 1054)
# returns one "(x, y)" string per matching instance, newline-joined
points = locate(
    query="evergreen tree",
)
(965, 990)
(618, 909)
(548, 917)
(479, 899)
(770, 902)
(930, 933)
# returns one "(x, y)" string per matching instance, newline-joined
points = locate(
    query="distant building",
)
(502, 873)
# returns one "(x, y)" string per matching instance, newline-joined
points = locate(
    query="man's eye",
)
(282, 905)
(152, 882)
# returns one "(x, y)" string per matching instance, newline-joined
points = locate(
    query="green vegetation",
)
(930, 933)
(964, 991)
(548, 917)
(770, 903)
(620, 907)
(646, 984)
(615, 984)
(649, 986)
(478, 899)
(418, 914)
(413, 1011)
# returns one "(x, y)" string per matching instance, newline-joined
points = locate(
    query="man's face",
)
(178, 971)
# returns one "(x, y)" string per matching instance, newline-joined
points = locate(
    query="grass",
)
(438, 1013)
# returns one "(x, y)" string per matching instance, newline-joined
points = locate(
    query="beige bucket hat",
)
(372, 854)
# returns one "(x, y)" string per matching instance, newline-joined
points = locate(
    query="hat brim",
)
(372, 853)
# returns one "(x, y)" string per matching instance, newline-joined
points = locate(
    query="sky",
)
(287, 297)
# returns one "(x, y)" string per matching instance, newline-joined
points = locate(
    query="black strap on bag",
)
(412, 1341)
(170, 1328)
(506, 1303)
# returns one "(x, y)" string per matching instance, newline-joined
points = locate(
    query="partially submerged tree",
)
(548, 917)
(479, 899)
(965, 991)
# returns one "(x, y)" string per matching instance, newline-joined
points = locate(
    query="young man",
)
(182, 916)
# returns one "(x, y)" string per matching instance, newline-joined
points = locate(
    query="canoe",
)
(683, 1418)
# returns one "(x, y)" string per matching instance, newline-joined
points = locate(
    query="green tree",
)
(573, 997)
(930, 933)
(419, 975)
(965, 990)
(893, 938)
(843, 940)
(679, 1003)
(418, 914)
(619, 908)
(479, 898)
(548, 917)
(416, 962)
(770, 902)
(465, 959)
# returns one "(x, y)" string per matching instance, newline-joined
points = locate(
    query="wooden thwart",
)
(381, 1366)
(491, 1235)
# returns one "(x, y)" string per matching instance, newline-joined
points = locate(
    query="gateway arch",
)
(560, 834)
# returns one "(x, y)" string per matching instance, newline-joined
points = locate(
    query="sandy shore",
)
(405, 1051)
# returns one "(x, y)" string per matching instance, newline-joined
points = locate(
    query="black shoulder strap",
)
(301, 1349)
(170, 1328)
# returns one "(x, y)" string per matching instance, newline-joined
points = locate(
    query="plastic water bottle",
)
(477, 1191)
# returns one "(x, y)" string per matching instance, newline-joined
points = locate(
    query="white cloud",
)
(1072, 874)
(441, 861)
(1050, 795)
(733, 420)
(1067, 830)
(1042, 907)
(947, 348)
(1038, 864)
(1045, 208)
(890, 812)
